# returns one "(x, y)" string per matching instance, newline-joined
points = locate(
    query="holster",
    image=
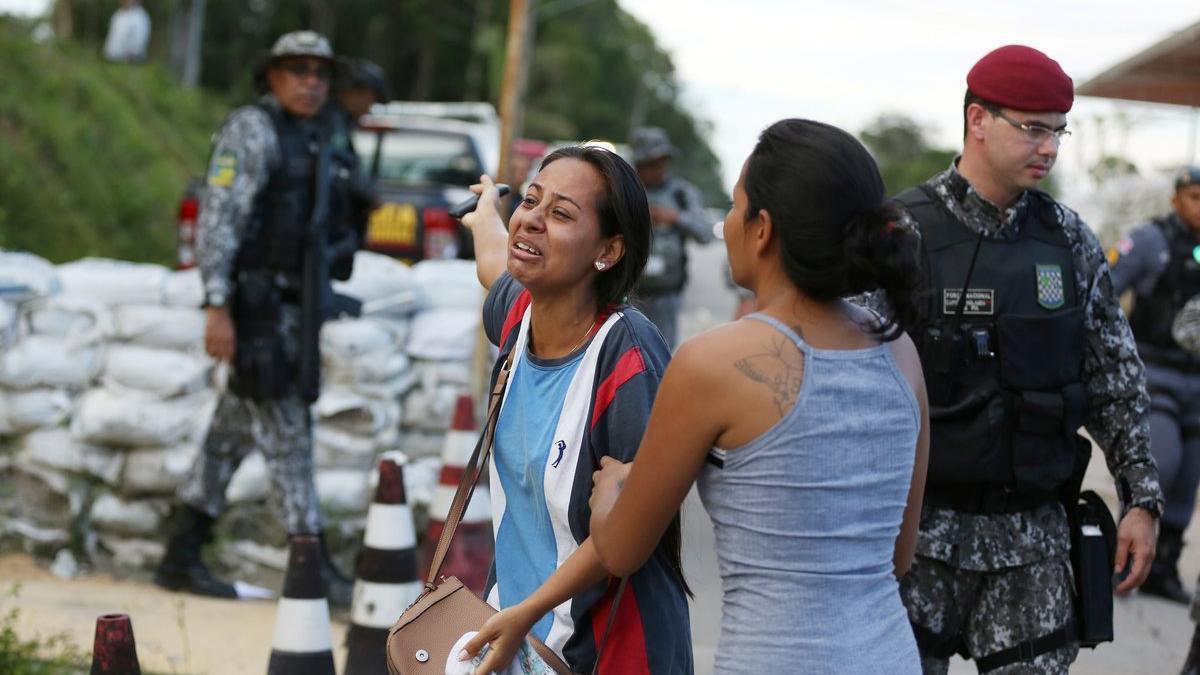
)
(260, 363)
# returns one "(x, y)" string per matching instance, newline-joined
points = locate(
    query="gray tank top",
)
(806, 519)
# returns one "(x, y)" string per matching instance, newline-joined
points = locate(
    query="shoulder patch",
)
(224, 169)
(1050, 286)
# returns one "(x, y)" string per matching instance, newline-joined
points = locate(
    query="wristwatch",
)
(214, 299)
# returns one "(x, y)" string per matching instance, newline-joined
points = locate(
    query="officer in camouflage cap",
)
(1022, 343)
(1160, 262)
(253, 234)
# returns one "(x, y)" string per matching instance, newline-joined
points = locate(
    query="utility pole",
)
(512, 94)
(187, 31)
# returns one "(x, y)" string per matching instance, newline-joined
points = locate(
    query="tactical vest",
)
(1005, 378)
(282, 212)
(1154, 313)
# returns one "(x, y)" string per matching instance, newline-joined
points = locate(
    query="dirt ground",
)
(177, 633)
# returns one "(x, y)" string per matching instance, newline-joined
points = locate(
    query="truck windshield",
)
(421, 157)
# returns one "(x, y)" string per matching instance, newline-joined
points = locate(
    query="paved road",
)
(1152, 635)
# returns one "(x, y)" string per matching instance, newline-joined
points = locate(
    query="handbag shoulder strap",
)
(471, 474)
(612, 615)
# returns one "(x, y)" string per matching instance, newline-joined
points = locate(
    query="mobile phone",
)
(466, 206)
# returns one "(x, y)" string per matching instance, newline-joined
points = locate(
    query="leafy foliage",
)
(904, 154)
(49, 656)
(93, 156)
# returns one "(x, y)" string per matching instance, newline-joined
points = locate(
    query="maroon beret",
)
(1022, 78)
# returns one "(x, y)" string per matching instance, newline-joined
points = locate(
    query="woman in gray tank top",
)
(804, 423)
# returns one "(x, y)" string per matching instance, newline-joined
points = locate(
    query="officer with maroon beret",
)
(1022, 343)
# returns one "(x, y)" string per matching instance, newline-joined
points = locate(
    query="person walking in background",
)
(585, 368)
(253, 236)
(677, 212)
(804, 423)
(128, 33)
(1160, 261)
(1022, 342)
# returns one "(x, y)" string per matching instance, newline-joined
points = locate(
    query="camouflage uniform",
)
(998, 580)
(245, 152)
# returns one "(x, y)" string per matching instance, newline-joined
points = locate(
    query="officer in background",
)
(1185, 330)
(362, 85)
(1160, 261)
(1023, 342)
(677, 212)
(271, 166)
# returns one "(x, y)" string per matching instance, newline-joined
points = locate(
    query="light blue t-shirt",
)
(526, 554)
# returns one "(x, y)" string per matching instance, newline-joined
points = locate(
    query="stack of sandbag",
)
(43, 472)
(150, 399)
(441, 345)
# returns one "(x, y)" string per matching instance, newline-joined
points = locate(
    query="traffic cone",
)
(114, 652)
(303, 642)
(387, 580)
(470, 554)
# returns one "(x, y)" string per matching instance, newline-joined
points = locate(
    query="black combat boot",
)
(181, 568)
(1192, 665)
(1163, 580)
(339, 588)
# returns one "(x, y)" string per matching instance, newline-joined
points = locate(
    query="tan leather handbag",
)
(420, 641)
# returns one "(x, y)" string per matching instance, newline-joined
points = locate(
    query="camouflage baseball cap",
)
(302, 43)
(649, 144)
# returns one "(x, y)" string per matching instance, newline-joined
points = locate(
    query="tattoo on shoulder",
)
(780, 366)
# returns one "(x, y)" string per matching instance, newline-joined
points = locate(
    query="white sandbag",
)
(336, 447)
(46, 361)
(184, 289)
(350, 411)
(132, 553)
(141, 517)
(347, 339)
(20, 269)
(56, 450)
(271, 557)
(81, 319)
(251, 482)
(430, 409)
(421, 479)
(157, 470)
(448, 284)
(114, 282)
(9, 323)
(165, 373)
(160, 326)
(111, 417)
(343, 491)
(444, 334)
(384, 285)
(23, 411)
(420, 444)
(431, 374)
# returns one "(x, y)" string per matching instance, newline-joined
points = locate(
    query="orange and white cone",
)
(303, 642)
(114, 652)
(387, 581)
(470, 554)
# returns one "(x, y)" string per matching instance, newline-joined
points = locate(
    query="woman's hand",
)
(505, 632)
(489, 231)
(606, 487)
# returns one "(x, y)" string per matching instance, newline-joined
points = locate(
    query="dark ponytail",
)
(881, 254)
(838, 236)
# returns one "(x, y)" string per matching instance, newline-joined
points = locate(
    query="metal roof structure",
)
(1167, 72)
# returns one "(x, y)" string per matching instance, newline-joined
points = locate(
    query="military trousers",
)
(1175, 439)
(987, 612)
(663, 312)
(281, 430)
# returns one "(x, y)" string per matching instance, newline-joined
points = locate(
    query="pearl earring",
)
(600, 265)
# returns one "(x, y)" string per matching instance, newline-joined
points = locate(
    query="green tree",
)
(903, 151)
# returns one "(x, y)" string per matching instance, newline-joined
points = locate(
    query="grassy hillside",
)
(94, 156)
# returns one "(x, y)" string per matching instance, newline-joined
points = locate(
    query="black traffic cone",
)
(303, 642)
(387, 580)
(114, 652)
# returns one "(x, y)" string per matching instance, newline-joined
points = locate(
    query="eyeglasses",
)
(301, 69)
(1034, 133)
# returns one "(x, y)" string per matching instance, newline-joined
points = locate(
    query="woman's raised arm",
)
(489, 231)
